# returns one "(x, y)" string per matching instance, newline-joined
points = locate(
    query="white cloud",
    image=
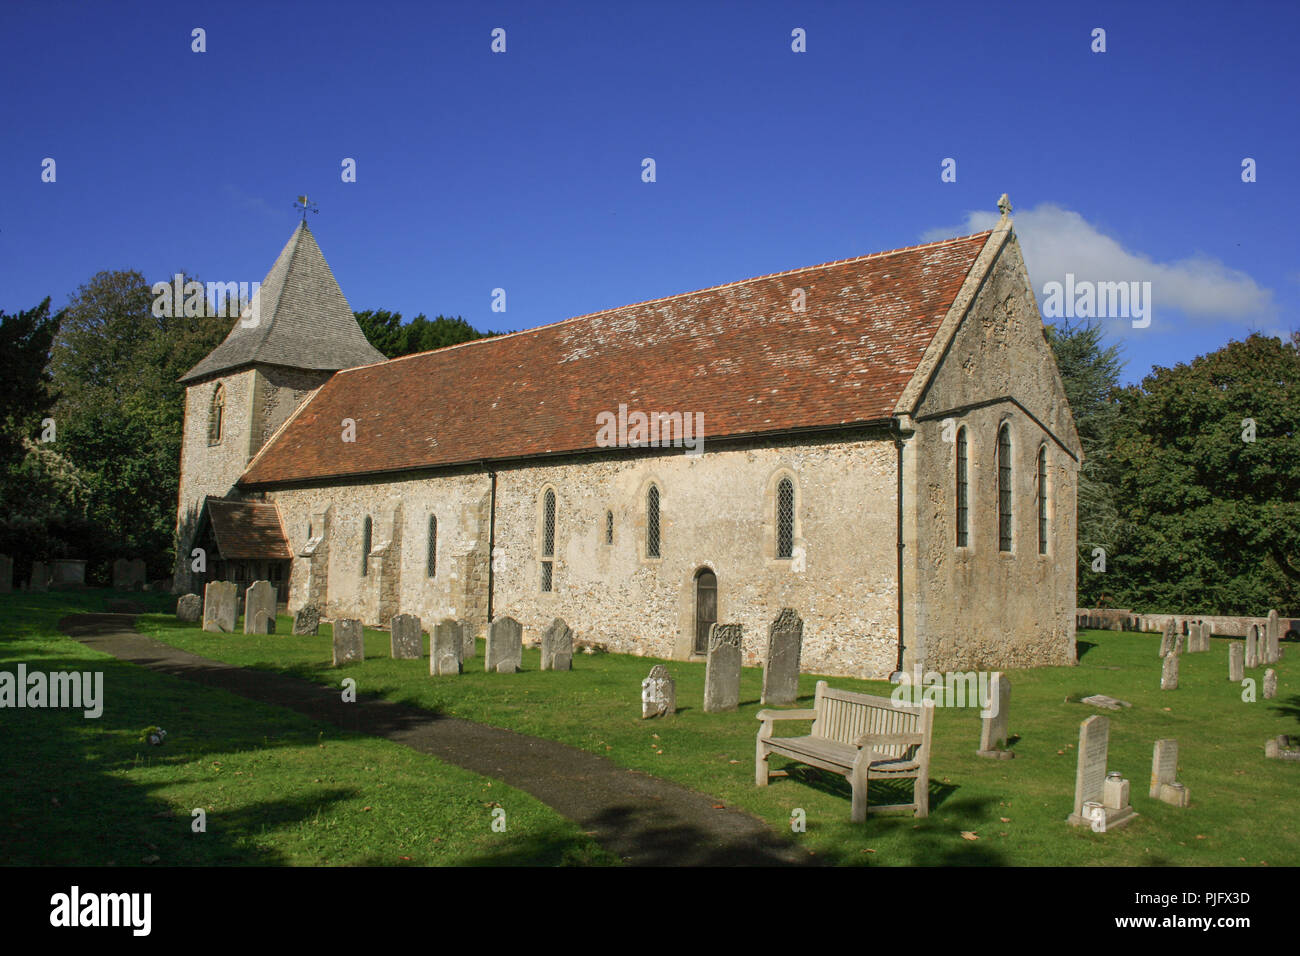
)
(1058, 241)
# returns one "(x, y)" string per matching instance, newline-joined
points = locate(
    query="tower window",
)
(609, 527)
(217, 415)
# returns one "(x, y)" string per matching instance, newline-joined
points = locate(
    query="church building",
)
(881, 443)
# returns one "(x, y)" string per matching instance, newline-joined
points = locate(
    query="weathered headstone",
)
(349, 642)
(1180, 643)
(1102, 700)
(6, 574)
(1272, 637)
(259, 608)
(1164, 771)
(722, 668)
(1252, 647)
(1207, 631)
(1093, 793)
(1236, 662)
(40, 577)
(307, 620)
(781, 666)
(189, 608)
(1167, 638)
(658, 693)
(557, 646)
(993, 728)
(1270, 684)
(121, 575)
(406, 636)
(446, 645)
(1281, 747)
(136, 574)
(468, 632)
(220, 606)
(505, 646)
(1169, 673)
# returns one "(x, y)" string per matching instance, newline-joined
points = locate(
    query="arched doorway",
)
(706, 607)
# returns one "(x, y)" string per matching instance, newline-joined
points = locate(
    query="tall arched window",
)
(548, 538)
(1042, 500)
(785, 518)
(432, 557)
(963, 492)
(217, 416)
(1004, 488)
(609, 527)
(365, 547)
(652, 522)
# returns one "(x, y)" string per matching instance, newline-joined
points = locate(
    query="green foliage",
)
(25, 340)
(386, 332)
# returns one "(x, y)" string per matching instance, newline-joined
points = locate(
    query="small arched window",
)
(1042, 500)
(963, 491)
(652, 522)
(365, 546)
(609, 527)
(217, 416)
(432, 557)
(1004, 488)
(785, 518)
(548, 539)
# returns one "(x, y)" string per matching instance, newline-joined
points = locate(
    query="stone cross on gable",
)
(1004, 205)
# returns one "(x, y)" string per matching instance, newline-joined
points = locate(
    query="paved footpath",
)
(644, 820)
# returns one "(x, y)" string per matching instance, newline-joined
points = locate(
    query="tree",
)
(385, 331)
(25, 340)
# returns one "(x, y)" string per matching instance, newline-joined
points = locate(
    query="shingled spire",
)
(303, 320)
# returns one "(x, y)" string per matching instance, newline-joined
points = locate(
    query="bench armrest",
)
(786, 715)
(888, 739)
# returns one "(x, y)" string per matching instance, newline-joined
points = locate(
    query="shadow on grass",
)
(1082, 648)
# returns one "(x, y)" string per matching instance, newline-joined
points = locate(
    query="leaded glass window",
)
(652, 522)
(1004, 488)
(963, 492)
(785, 518)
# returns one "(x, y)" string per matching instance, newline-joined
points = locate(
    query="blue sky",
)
(522, 170)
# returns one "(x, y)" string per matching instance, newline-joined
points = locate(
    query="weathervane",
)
(306, 205)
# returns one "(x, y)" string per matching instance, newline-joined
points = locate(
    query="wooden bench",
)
(863, 737)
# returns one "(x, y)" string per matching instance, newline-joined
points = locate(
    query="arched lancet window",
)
(432, 557)
(217, 416)
(548, 538)
(609, 527)
(963, 492)
(1004, 488)
(652, 522)
(706, 607)
(785, 518)
(365, 546)
(1042, 500)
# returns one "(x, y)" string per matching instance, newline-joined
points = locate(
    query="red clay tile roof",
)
(738, 353)
(248, 530)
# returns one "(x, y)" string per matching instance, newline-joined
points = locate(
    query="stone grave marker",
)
(307, 620)
(1101, 700)
(1164, 770)
(1272, 637)
(1167, 638)
(468, 633)
(1169, 673)
(505, 646)
(121, 575)
(136, 574)
(1281, 747)
(259, 608)
(40, 577)
(557, 646)
(446, 645)
(1180, 643)
(993, 728)
(658, 694)
(1270, 684)
(1236, 662)
(189, 608)
(220, 606)
(1093, 792)
(722, 668)
(1252, 647)
(781, 666)
(405, 634)
(349, 643)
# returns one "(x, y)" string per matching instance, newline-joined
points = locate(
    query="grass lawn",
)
(277, 787)
(1243, 809)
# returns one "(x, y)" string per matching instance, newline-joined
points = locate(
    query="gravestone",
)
(1169, 673)
(40, 577)
(307, 620)
(658, 693)
(1272, 635)
(1236, 662)
(1270, 684)
(467, 636)
(557, 646)
(1093, 793)
(993, 728)
(781, 666)
(121, 575)
(1252, 647)
(220, 606)
(259, 608)
(1102, 700)
(189, 608)
(722, 669)
(1180, 643)
(136, 574)
(446, 645)
(406, 637)
(1164, 770)
(349, 643)
(1282, 747)
(6, 574)
(505, 646)
(1167, 638)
